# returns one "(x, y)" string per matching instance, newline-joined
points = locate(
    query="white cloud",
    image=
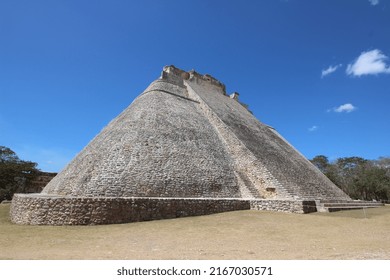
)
(313, 128)
(369, 63)
(347, 108)
(329, 70)
(374, 2)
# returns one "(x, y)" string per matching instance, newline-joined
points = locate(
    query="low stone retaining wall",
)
(291, 206)
(38, 209)
(56, 210)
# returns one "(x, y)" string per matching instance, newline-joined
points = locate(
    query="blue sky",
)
(317, 71)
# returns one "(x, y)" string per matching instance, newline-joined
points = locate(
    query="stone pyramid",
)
(183, 147)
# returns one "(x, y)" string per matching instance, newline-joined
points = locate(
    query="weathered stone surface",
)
(183, 147)
(160, 146)
(66, 210)
(37, 209)
(292, 206)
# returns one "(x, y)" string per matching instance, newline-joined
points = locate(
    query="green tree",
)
(358, 177)
(348, 169)
(384, 163)
(14, 173)
(321, 162)
(329, 169)
(372, 183)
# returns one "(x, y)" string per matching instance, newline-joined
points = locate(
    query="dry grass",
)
(233, 235)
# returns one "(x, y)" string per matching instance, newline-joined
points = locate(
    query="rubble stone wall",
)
(37, 209)
(57, 210)
(291, 206)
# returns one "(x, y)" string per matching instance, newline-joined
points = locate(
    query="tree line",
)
(15, 174)
(358, 177)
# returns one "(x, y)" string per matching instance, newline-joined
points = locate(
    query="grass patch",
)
(232, 235)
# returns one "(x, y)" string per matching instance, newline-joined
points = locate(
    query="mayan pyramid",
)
(183, 147)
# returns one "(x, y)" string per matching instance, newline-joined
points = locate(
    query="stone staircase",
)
(248, 190)
(340, 205)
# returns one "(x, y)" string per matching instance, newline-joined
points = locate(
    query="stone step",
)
(335, 209)
(249, 185)
(350, 201)
(353, 205)
(334, 205)
(346, 201)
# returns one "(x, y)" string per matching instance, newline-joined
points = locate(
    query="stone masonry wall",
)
(37, 209)
(290, 206)
(63, 210)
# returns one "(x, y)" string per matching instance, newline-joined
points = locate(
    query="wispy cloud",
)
(369, 63)
(330, 70)
(313, 128)
(345, 108)
(374, 2)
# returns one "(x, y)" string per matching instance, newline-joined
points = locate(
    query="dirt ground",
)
(244, 235)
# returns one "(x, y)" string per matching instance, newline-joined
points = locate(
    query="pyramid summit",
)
(183, 147)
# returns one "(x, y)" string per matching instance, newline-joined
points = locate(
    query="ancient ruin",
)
(183, 147)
